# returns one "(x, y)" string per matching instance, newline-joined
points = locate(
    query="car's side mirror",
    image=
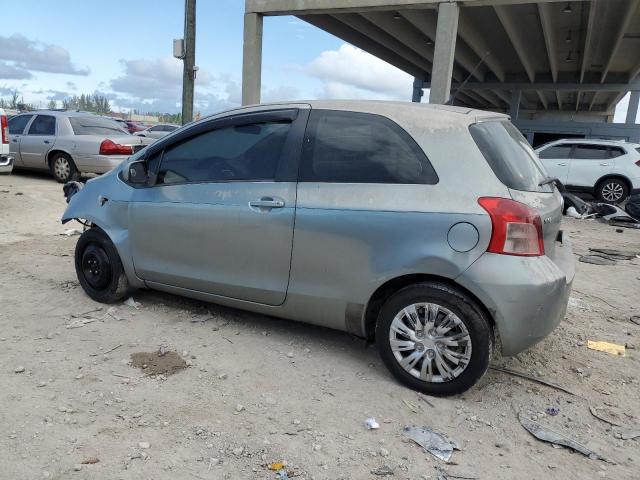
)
(138, 173)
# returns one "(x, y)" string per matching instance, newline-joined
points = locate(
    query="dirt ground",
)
(257, 390)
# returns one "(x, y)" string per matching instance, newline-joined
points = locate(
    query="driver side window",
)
(244, 152)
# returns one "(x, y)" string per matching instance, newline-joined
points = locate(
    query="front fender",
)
(104, 202)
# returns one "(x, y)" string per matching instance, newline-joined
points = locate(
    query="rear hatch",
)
(518, 167)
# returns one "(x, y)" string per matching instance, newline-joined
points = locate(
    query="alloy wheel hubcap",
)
(430, 342)
(61, 167)
(612, 192)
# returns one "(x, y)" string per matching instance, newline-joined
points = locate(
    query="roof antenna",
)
(466, 80)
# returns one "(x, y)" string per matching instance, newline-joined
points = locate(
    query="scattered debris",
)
(130, 302)
(573, 213)
(596, 260)
(594, 412)
(80, 315)
(113, 313)
(77, 467)
(552, 411)
(425, 400)
(433, 442)
(635, 319)
(533, 379)
(410, 406)
(547, 435)
(19, 369)
(610, 348)
(239, 408)
(153, 364)
(444, 475)
(283, 475)
(80, 322)
(371, 424)
(383, 471)
(276, 466)
(112, 349)
(91, 461)
(630, 434)
(144, 445)
(71, 232)
(578, 303)
(615, 254)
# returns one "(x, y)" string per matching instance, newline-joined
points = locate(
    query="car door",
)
(35, 145)
(17, 126)
(555, 159)
(219, 216)
(589, 163)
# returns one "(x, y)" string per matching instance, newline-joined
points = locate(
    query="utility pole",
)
(189, 68)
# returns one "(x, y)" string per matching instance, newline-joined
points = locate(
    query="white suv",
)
(6, 161)
(609, 169)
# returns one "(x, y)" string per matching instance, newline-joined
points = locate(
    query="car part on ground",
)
(358, 177)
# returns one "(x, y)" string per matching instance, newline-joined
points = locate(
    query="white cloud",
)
(31, 55)
(353, 73)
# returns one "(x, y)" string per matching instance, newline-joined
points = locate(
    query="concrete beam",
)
(570, 87)
(549, 38)
(632, 111)
(514, 107)
(446, 34)
(543, 100)
(252, 59)
(586, 50)
(519, 45)
(476, 41)
(372, 31)
(340, 30)
(427, 24)
(303, 7)
(626, 16)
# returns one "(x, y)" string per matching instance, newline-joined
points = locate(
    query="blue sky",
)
(123, 49)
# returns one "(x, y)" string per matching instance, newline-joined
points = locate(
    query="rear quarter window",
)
(510, 156)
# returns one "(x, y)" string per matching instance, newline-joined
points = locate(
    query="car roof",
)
(62, 113)
(428, 111)
(589, 141)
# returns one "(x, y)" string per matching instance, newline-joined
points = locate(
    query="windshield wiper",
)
(547, 181)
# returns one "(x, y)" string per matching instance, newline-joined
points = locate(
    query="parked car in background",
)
(158, 131)
(69, 143)
(432, 229)
(609, 169)
(6, 160)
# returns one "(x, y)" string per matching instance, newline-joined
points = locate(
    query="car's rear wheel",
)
(99, 268)
(434, 338)
(612, 190)
(63, 169)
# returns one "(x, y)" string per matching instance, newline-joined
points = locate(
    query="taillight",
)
(109, 147)
(4, 129)
(638, 163)
(517, 228)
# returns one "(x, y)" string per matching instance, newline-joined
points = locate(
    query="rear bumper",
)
(6, 163)
(527, 296)
(99, 163)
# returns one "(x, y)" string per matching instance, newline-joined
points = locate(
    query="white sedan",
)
(158, 131)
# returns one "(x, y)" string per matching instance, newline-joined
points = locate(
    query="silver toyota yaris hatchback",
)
(433, 230)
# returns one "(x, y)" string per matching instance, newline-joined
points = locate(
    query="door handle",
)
(15, 140)
(604, 164)
(266, 202)
(47, 142)
(562, 164)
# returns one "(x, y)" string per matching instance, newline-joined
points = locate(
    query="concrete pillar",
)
(252, 58)
(514, 108)
(632, 111)
(418, 85)
(445, 49)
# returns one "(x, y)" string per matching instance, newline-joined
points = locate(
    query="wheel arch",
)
(53, 151)
(384, 291)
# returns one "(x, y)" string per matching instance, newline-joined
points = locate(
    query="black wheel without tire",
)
(63, 169)
(612, 190)
(434, 339)
(99, 268)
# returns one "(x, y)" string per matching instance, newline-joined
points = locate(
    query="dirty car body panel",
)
(322, 249)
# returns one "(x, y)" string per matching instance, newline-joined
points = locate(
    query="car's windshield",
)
(93, 125)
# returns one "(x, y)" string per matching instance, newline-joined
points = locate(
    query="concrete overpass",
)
(556, 66)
